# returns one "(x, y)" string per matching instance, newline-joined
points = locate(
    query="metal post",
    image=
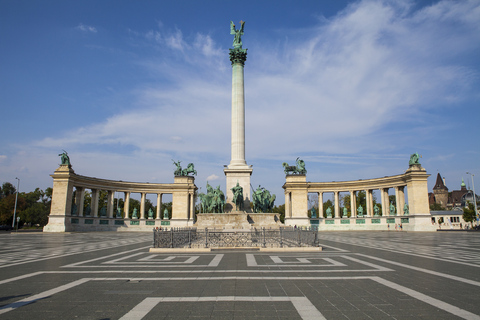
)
(16, 198)
(264, 243)
(474, 197)
(281, 238)
(206, 237)
(189, 239)
(171, 230)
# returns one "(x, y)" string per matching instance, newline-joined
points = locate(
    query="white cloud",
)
(86, 28)
(212, 177)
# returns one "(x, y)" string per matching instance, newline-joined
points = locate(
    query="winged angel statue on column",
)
(237, 40)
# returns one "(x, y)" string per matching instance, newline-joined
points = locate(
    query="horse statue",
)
(185, 172)
(189, 169)
(299, 168)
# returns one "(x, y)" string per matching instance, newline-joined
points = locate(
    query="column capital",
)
(238, 55)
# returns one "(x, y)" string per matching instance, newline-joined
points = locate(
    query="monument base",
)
(237, 220)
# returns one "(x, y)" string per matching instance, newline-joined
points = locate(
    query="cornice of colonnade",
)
(400, 180)
(181, 183)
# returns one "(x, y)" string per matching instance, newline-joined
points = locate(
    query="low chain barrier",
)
(256, 238)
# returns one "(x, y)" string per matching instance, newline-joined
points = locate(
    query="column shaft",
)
(238, 116)
(126, 206)
(159, 206)
(320, 204)
(353, 204)
(337, 205)
(95, 193)
(110, 203)
(142, 206)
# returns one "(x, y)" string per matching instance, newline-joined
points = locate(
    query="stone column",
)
(401, 200)
(126, 205)
(337, 205)
(320, 204)
(384, 198)
(110, 201)
(79, 200)
(159, 206)
(238, 58)
(192, 206)
(397, 202)
(353, 204)
(238, 170)
(288, 209)
(142, 206)
(369, 202)
(95, 193)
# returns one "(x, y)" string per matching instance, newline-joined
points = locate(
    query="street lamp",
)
(16, 198)
(474, 197)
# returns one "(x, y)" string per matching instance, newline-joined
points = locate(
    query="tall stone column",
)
(142, 206)
(337, 205)
(79, 200)
(238, 171)
(159, 206)
(95, 194)
(126, 205)
(320, 204)
(353, 204)
(110, 200)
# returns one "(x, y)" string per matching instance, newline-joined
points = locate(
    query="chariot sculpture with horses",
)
(299, 168)
(184, 172)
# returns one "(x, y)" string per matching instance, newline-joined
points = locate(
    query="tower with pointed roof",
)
(440, 191)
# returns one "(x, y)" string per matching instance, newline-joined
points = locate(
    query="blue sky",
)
(351, 87)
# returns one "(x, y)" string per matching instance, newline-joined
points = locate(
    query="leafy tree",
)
(469, 213)
(7, 189)
(436, 207)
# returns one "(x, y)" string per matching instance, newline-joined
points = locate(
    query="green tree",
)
(469, 212)
(436, 207)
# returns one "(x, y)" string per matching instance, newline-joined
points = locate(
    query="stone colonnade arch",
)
(414, 181)
(62, 218)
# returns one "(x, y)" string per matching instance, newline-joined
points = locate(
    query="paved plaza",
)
(358, 275)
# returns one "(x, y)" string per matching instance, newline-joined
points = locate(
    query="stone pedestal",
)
(61, 200)
(237, 220)
(241, 175)
(296, 200)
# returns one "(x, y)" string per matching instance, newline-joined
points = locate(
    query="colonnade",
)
(369, 210)
(410, 187)
(110, 209)
(65, 181)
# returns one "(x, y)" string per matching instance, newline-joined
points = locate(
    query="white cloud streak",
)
(86, 28)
